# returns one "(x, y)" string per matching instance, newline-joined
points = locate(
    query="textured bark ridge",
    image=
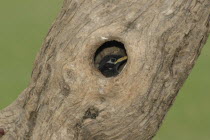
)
(69, 99)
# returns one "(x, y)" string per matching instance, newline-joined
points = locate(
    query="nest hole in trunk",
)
(110, 58)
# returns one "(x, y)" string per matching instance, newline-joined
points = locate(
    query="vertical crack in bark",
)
(31, 124)
(37, 91)
(77, 128)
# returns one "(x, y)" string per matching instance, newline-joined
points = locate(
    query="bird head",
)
(110, 64)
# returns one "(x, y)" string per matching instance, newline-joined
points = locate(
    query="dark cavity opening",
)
(91, 113)
(110, 58)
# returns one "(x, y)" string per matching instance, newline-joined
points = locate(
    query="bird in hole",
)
(110, 64)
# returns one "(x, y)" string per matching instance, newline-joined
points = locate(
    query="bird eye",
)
(113, 59)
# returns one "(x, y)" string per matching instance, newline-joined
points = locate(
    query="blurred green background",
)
(23, 27)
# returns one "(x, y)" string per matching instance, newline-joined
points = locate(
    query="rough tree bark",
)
(69, 99)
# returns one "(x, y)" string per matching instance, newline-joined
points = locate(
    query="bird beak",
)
(121, 59)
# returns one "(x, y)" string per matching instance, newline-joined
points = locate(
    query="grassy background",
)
(23, 27)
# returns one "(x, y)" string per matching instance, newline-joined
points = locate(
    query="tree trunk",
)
(69, 99)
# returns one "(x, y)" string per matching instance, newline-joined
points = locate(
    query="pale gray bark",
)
(69, 99)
